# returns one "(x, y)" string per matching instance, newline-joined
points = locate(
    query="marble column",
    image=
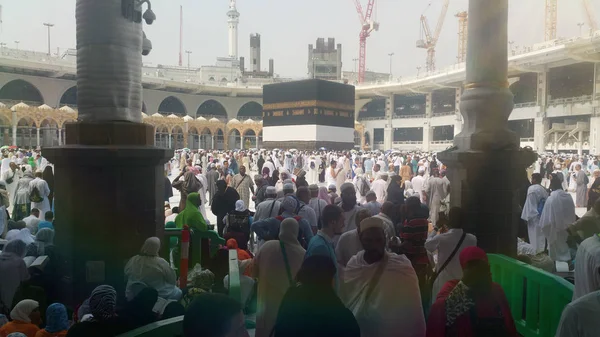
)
(212, 142)
(14, 128)
(486, 191)
(110, 143)
(59, 137)
(539, 133)
(37, 134)
(388, 131)
(427, 136)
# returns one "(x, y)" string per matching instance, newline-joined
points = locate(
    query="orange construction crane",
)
(367, 26)
(429, 41)
(463, 19)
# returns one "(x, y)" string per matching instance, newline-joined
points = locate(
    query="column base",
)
(109, 199)
(485, 185)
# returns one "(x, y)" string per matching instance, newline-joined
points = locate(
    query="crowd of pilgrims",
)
(338, 244)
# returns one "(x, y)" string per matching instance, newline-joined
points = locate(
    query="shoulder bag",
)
(435, 274)
(287, 264)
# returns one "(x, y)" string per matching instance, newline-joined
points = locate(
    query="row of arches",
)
(205, 139)
(30, 135)
(21, 90)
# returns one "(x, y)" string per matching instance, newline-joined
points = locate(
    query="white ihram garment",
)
(558, 214)
(535, 194)
(394, 307)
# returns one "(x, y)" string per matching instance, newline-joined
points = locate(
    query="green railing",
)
(173, 327)
(197, 250)
(536, 298)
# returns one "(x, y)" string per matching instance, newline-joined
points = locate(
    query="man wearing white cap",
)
(418, 182)
(383, 285)
(268, 208)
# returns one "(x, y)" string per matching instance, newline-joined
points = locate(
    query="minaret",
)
(233, 20)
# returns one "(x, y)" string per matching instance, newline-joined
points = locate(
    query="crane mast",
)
(429, 41)
(462, 36)
(550, 20)
(367, 27)
(589, 14)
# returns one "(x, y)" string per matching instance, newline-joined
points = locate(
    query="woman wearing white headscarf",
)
(275, 275)
(25, 319)
(154, 271)
(13, 271)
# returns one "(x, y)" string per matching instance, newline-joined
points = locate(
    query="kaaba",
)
(308, 115)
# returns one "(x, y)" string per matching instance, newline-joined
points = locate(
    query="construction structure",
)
(428, 40)
(551, 16)
(462, 36)
(233, 20)
(325, 61)
(255, 52)
(181, 36)
(367, 26)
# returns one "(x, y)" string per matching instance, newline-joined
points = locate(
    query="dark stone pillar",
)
(486, 165)
(109, 176)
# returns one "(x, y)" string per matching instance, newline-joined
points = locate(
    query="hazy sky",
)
(287, 27)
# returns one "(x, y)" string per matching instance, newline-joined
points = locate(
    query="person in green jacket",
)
(191, 216)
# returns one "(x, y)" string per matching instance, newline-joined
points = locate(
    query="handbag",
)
(429, 284)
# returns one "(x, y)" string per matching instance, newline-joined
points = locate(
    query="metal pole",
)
(49, 25)
(188, 52)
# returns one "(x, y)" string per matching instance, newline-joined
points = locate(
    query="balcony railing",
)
(570, 100)
(525, 105)
(524, 140)
(408, 142)
(447, 141)
(445, 113)
(371, 118)
(409, 116)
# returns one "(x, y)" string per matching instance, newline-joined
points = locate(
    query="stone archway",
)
(48, 133)
(5, 131)
(249, 140)
(219, 139)
(234, 139)
(162, 136)
(193, 138)
(206, 141)
(23, 91)
(69, 97)
(172, 105)
(26, 133)
(211, 108)
(251, 110)
(357, 139)
(177, 138)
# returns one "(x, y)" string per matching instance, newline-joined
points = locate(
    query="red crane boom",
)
(366, 27)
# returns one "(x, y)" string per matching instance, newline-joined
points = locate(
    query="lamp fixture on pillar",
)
(486, 191)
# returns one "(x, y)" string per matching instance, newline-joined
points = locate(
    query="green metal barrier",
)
(536, 298)
(196, 247)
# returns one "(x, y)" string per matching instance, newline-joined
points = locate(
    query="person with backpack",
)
(268, 229)
(38, 194)
(362, 186)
